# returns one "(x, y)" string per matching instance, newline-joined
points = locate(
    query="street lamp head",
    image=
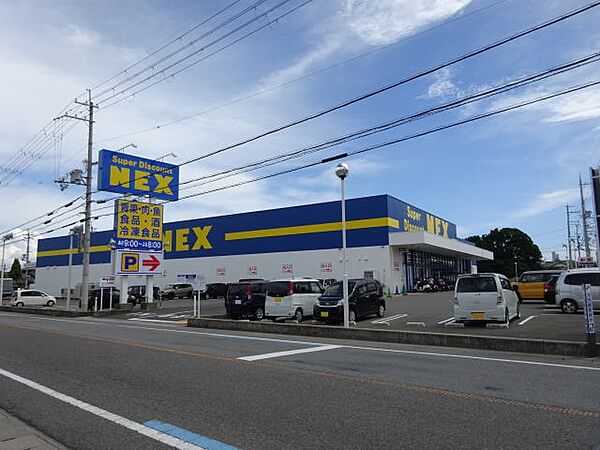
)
(342, 170)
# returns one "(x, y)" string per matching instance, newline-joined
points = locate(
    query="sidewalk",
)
(15, 435)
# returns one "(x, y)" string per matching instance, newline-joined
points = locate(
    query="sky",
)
(517, 169)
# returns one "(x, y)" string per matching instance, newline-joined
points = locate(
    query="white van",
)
(293, 298)
(485, 297)
(31, 297)
(569, 293)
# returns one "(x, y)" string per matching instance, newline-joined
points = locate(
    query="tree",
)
(15, 270)
(509, 245)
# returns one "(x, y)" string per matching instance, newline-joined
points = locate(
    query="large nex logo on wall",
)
(128, 174)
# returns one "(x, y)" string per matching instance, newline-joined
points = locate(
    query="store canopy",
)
(427, 242)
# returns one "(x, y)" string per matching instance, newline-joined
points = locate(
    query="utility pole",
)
(27, 252)
(569, 257)
(87, 233)
(584, 217)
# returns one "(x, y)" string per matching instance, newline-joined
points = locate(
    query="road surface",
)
(107, 383)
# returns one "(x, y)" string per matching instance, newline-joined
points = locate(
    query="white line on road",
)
(388, 319)
(170, 329)
(104, 414)
(441, 322)
(289, 352)
(152, 320)
(523, 322)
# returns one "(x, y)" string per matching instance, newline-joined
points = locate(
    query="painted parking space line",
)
(289, 352)
(142, 429)
(523, 322)
(139, 319)
(388, 319)
(188, 436)
(442, 322)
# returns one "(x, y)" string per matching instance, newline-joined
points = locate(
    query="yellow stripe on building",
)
(316, 228)
(74, 251)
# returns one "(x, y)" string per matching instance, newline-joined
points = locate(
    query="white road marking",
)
(171, 329)
(289, 352)
(104, 414)
(388, 319)
(441, 322)
(522, 322)
(421, 324)
(135, 319)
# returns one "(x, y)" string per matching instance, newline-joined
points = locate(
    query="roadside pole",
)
(590, 326)
(5, 238)
(69, 271)
(342, 172)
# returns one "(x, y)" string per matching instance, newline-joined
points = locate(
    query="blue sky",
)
(518, 169)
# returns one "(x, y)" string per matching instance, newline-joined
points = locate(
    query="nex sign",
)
(128, 174)
(139, 263)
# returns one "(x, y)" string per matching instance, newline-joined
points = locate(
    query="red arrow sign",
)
(152, 262)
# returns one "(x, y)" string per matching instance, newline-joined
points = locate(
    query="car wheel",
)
(381, 311)
(235, 316)
(299, 315)
(259, 314)
(568, 306)
(352, 316)
(50, 303)
(20, 305)
(171, 296)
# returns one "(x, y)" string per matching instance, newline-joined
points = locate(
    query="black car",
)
(214, 290)
(139, 293)
(550, 289)
(246, 299)
(365, 299)
(103, 295)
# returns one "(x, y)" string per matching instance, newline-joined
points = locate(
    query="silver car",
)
(569, 293)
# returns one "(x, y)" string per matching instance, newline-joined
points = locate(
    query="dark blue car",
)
(246, 299)
(365, 299)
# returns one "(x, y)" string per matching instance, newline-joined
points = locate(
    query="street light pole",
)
(5, 238)
(342, 172)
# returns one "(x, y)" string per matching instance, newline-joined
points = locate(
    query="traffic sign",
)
(107, 281)
(139, 263)
(588, 309)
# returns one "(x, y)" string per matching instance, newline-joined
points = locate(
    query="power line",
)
(166, 45)
(403, 139)
(306, 76)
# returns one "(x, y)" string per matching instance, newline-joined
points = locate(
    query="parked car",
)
(177, 290)
(31, 297)
(485, 297)
(569, 293)
(139, 293)
(550, 290)
(246, 299)
(530, 285)
(100, 298)
(365, 298)
(292, 298)
(214, 290)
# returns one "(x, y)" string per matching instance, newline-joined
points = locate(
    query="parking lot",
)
(431, 312)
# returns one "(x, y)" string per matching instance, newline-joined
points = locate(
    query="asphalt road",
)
(119, 375)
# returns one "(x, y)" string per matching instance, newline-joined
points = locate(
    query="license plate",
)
(238, 302)
(478, 315)
(324, 313)
(277, 299)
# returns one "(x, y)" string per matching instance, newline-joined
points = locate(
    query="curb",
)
(505, 344)
(61, 312)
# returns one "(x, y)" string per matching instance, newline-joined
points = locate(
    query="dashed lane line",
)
(297, 351)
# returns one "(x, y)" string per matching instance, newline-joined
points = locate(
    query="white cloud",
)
(379, 22)
(546, 201)
(443, 86)
(80, 37)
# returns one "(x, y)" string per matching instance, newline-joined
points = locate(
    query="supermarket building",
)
(388, 239)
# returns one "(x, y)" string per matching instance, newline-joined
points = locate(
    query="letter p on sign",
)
(130, 262)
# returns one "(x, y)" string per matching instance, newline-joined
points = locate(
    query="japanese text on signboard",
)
(138, 225)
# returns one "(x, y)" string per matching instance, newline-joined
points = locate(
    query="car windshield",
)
(336, 289)
(170, 286)
(278, 288)
(238, 289)
(476, 284)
